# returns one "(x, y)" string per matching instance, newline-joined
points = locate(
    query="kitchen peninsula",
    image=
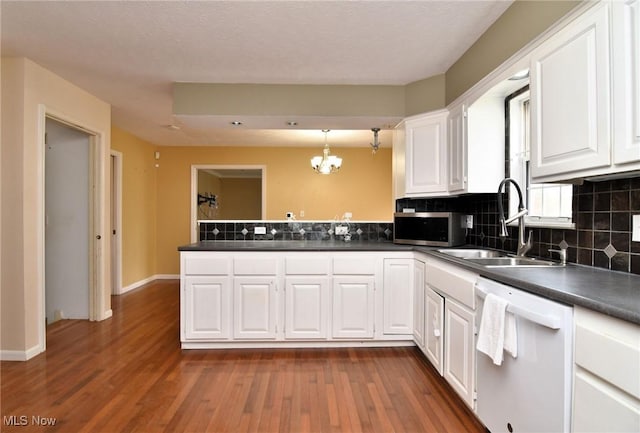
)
(317, 293)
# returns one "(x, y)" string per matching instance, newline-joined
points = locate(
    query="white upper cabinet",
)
(571, 94)
(456, 129)
(626, 81)
(398, 161)
(585, 93)
(475, 150)
(425, 154)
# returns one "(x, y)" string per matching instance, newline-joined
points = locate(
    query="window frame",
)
(517, 107)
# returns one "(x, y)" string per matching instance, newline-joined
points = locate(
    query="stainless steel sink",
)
(466, 253)
(511, 262)
(497, 259)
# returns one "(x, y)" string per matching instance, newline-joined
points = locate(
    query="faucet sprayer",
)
(523, 246)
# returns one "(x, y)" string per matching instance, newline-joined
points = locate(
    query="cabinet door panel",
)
(254, 308)
(456, 136)
(433, 336)
(353, 307)
(207, 308)
(426, 154)
(570, 94)
(626, 80)
(419, 299)
(398, 296)
(460, 354)
(306, 307)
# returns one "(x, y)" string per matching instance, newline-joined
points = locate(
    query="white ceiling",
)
(128, 53)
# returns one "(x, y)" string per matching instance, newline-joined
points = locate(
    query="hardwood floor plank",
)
(128, 374)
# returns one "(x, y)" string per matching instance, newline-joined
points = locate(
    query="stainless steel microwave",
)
(438, 229)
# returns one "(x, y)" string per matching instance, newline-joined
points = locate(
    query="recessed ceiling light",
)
(236, 123)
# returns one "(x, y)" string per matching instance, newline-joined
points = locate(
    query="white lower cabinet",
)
(398, 290)
(449, 320)
(434, 328)
(460, 353)
(419, 304)
(254, 308)
(306, 307)
(207, 304)
(353, 307)
(295, 299)
(606, 389)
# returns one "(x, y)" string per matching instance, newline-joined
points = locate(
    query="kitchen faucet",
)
(523, 246)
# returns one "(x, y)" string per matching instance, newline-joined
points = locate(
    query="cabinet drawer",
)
(452, 282)
(598, 407)
(306, 265)
(610, 349)
(206, 265)
(255, 266)
(354, 265)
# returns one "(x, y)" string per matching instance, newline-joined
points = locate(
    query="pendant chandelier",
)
(326, 164)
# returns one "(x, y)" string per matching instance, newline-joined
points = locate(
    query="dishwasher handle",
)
(551, 322)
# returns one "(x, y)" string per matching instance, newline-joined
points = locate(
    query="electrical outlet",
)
(635, 233)
(342, 230)
(260, 230)
(469, 222)
(347, 215)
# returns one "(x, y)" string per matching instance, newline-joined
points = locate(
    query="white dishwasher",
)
(532, 392)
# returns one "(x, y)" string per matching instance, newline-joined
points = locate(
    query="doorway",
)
(68, 198)
(244, 172)
(115, 176)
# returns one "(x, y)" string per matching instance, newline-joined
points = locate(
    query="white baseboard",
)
(149, 280)
(167, 276)
(19, 355)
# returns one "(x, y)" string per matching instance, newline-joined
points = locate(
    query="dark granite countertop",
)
(613, 293)
(616, 294)
(294, 246)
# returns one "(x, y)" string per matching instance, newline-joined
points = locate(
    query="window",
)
(549, 204)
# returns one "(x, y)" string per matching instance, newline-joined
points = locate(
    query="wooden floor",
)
(128, 374)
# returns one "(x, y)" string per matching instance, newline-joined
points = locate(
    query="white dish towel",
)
(497, 330)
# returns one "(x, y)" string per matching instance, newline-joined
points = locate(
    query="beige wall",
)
(26, 88)
(362, 187)
(425, 95)
(208, 183)
(522, 22)
(241, 199)
(139, 206)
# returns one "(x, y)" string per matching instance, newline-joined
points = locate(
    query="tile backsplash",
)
(294, 230)
(602, 212)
